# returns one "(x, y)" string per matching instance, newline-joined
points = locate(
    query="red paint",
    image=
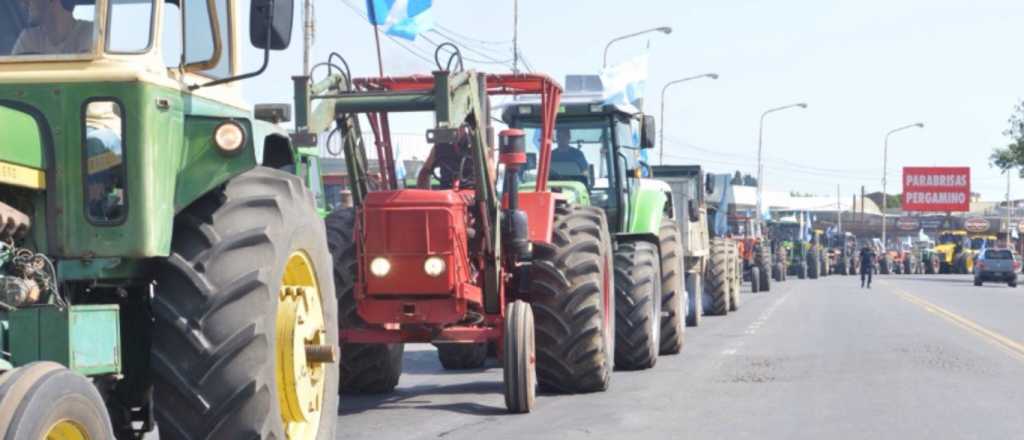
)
(540, 210)
(937, 189)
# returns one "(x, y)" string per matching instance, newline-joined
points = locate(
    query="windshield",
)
(1001, 254)
(46, 28)
(949, 238)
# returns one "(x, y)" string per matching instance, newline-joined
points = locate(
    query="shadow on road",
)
(427, 397)
(935, 279)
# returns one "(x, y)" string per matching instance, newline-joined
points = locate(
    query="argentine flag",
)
(624, 83)
(401, 18)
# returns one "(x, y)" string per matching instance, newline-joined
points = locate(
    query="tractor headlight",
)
(434, 266)
(380, 267)
(229, 137)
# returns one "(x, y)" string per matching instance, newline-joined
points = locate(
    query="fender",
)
(648, 207)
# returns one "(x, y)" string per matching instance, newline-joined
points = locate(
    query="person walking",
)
(867, 265)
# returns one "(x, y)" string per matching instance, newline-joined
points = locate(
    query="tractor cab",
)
(596, 156)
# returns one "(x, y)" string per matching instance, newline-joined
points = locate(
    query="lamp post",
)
(663, 29)
(661, 118)
(760, 150)
(885, 167)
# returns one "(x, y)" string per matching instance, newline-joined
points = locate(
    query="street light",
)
(663, 29)
(885, 167)
(661, 119)
(760, 150)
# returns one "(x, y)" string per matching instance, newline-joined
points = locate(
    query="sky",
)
(864, 67)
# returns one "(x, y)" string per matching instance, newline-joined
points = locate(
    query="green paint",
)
(646, 209)
(21, 143)
(98, 269)
(85, 338)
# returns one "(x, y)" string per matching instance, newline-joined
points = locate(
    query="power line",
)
(467, 37)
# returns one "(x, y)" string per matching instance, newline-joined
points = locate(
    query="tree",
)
(1012, 155)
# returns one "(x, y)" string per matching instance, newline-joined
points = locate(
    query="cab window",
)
(103, 150)
(24, 28)
(193, 29)
(129, 23)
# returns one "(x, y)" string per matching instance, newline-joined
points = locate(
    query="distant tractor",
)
(456, 263)
(842, 252)
(596, 161)
(159, 263)
(951, 250)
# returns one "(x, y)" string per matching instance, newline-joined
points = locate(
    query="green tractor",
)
(597, 161)
(159, 265)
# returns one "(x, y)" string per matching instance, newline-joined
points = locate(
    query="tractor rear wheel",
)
(44, 400)
(520, 361)
(718, 279)
(673, 293)
(736, 282)
(765, 266)
(573, 303)
(812, 266)
(462, 356)
(365, 368)
(245, 319)
(637, 305)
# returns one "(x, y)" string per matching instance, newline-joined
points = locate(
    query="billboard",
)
(937, 189)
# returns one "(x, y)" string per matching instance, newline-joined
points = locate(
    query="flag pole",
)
(376, 38)
(387, 164)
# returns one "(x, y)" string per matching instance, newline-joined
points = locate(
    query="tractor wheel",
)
(44, 400)
(637, 305)
(801, 270)
(779, 272)
(673, 293)
(737, 277)
(573, 303)
(766, 267)
(695, 298)
(245, 319)
(884, 268)
(462, 356)
(365, 368)
(812, 267)
(520, 360)
(755, 279)
(718, 279)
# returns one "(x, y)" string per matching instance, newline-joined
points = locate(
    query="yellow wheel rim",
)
(67, 430)
(302, 349)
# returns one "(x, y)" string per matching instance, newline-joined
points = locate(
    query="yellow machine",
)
(950, 250)
(978, 242)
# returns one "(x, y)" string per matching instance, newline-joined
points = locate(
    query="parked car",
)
(996, 265)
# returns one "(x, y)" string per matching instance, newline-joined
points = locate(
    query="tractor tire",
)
(462, 356)
(737, 277)
(573, 305)
(365, 368)
(637, 305)
(673, 290)
(44, 400)
(779, 272)
(812, 267)
(884, 266)
(755, 279)
(718, 280)
(519, 369)
(801, 270)
(765, 265)
(245, 284)
(695, 297)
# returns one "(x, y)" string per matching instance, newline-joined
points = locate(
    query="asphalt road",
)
(923, 356)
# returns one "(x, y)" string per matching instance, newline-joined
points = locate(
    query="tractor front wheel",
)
(673, 293)
(365, 368)
(245, 319)
(755, 279)
(44, 400)
(718, 279)
(637, 305)
(520, 361)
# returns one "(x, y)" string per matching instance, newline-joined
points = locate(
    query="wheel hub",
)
(66, 430)
(302, 349)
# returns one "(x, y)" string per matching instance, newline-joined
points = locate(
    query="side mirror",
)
(273, 113)
(531, 161)
(691, 210)
(709, 184)
(647, 132)
(271, 20)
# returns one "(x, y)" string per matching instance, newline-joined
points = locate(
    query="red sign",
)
(976, 224)
(943, 189)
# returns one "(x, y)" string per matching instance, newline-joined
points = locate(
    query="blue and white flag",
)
(624, 83)
(401, 18)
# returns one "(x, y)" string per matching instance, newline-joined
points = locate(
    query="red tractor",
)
(459, 265)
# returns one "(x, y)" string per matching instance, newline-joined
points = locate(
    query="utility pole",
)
(885, 163)
(1008, 210)
(839, 210)
(515, 36)
(308, 32)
